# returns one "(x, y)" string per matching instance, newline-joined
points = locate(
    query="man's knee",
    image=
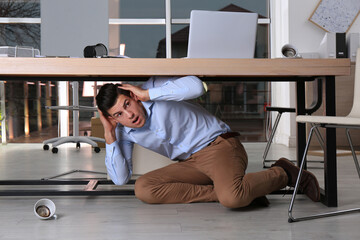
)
(232, 201)
(143, 190)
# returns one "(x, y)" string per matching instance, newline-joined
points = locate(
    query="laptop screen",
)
(215, 34)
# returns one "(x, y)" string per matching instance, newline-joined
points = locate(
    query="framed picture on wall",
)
(335, 15)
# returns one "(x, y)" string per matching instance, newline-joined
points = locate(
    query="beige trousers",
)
(213, 174)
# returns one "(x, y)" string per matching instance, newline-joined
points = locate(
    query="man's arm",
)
(118, 154)
(118, 161)
(168, 89)
(175, 88)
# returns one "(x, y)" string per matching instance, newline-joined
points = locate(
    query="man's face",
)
(128, 111)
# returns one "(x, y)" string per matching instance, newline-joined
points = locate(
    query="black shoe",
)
(261, 201)
(308, 183)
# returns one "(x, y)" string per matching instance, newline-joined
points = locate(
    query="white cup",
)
(44, 208)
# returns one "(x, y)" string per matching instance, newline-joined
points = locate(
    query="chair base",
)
(72, 139)
(327, 214)
(322, 215)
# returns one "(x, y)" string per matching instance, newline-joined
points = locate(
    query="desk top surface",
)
(140, 67)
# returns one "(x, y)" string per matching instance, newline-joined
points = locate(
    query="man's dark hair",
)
(108, 95)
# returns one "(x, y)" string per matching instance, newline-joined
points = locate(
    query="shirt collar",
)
(148, 108)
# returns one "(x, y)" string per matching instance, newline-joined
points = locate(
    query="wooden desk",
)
(96, 68)
(297, 70)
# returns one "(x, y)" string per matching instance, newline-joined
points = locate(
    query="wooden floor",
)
(125, 217)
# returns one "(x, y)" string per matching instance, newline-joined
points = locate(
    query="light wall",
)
(293, 26)
(305, 35)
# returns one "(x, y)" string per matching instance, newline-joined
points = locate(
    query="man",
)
(211, 161)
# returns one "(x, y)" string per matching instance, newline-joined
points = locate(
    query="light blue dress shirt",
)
(174, 127)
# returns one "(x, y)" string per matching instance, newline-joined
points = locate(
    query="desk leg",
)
(330, 173)
(301, 127)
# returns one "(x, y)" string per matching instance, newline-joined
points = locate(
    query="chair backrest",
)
(217, 34)
(355, 110)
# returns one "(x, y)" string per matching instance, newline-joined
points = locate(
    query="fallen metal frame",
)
(90, 188)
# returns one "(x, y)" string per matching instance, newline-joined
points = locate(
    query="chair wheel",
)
(46, 147)
(77, 145)
(97, 149)
(54, 150)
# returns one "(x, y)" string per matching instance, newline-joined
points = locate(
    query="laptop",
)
(216, 34)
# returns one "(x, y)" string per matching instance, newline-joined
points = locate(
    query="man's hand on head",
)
(109, 128)
(141, 94)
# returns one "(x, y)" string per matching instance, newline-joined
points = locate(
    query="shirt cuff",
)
(110, 149)
(155, 93)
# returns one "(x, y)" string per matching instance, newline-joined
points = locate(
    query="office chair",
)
(93, 51)
(280, 110)
(75, 138)
(351, 121)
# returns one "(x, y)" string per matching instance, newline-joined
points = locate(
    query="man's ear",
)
(133, 96)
